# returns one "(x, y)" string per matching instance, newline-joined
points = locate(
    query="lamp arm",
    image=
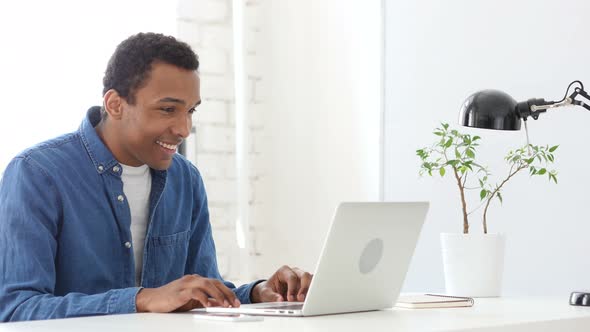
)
(534, 107)
(580, 92)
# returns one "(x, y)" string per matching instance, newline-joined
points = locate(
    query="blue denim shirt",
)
(65, 230)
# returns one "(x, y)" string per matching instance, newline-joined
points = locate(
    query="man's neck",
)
(108, 135)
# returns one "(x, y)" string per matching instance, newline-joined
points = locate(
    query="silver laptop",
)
(363, 263)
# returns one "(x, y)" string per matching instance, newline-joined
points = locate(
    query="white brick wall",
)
(214, 112)
(204, 11)
(215, 86)
(207, 26)
(215, 138)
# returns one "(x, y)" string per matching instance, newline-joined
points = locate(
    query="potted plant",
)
(473, 263)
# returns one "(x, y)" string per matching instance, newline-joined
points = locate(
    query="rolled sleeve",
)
(123, 301)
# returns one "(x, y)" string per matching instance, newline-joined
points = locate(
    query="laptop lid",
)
(365, 257)
(363, 263)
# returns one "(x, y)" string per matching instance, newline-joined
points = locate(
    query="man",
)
(109, 219)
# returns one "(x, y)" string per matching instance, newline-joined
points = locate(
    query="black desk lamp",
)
(493, 109)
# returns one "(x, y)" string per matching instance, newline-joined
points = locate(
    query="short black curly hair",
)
(130, 65)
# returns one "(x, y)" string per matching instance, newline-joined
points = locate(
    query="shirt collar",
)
(101, 156)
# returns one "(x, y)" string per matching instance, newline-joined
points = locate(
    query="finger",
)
(278, 286)
(210, 288)
(200, 296)
(221, 293)
(288, 276)
(305, 279)
(215, 303)
(268, 295)
(215, 291)
(229, 295)
(190, 305)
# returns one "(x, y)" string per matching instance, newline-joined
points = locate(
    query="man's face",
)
(161, 118)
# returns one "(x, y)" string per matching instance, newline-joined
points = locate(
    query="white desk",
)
(502, 314)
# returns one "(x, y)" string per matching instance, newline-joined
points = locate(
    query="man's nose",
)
(182, 126)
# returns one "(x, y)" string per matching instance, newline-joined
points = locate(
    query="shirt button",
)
(116, 169)
(120, 198)
(128, 245)
(100, 168)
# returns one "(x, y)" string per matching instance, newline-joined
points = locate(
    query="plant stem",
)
(463, 203)
(462, 192)
(485, 210)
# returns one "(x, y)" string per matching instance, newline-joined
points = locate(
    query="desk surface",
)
(498, 314)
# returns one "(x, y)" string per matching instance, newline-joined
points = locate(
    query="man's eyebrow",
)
(171, 100)
(176, 100)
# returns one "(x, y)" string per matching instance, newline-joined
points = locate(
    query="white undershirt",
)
(137, 184)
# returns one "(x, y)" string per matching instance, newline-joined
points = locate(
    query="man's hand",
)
(287, 284)
(186, 293)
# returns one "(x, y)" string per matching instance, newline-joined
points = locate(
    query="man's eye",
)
(192, 110)
(167, 109)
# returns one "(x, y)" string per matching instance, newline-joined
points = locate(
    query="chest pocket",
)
(167, 257)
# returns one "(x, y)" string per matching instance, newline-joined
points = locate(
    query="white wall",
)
(322, 121)
(53, 58)
(437, 53)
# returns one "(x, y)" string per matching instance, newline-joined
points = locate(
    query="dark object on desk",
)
(580, 298)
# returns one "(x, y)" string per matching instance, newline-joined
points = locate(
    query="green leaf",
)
(482, 194)
(542, 171)
(448, 143)
(553, 148)
(499, 197)
(452, 162)
(457, 154)
(442, 171)
(470, 153)
(475, 138)
(445, 125)
(438, 133)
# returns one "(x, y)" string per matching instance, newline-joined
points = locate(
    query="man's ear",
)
(113, 104)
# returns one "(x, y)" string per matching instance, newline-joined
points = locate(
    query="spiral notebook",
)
(417, 301)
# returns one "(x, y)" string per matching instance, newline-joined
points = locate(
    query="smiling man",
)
(109, 219)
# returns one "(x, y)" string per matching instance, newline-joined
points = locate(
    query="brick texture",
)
(207, 26)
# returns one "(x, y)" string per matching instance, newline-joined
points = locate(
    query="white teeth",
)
(167, 146)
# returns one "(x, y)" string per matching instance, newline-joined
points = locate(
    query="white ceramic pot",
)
(473, 264)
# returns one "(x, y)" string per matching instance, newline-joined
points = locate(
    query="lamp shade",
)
(490, 109)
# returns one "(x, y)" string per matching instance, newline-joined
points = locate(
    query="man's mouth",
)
(167, 146)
